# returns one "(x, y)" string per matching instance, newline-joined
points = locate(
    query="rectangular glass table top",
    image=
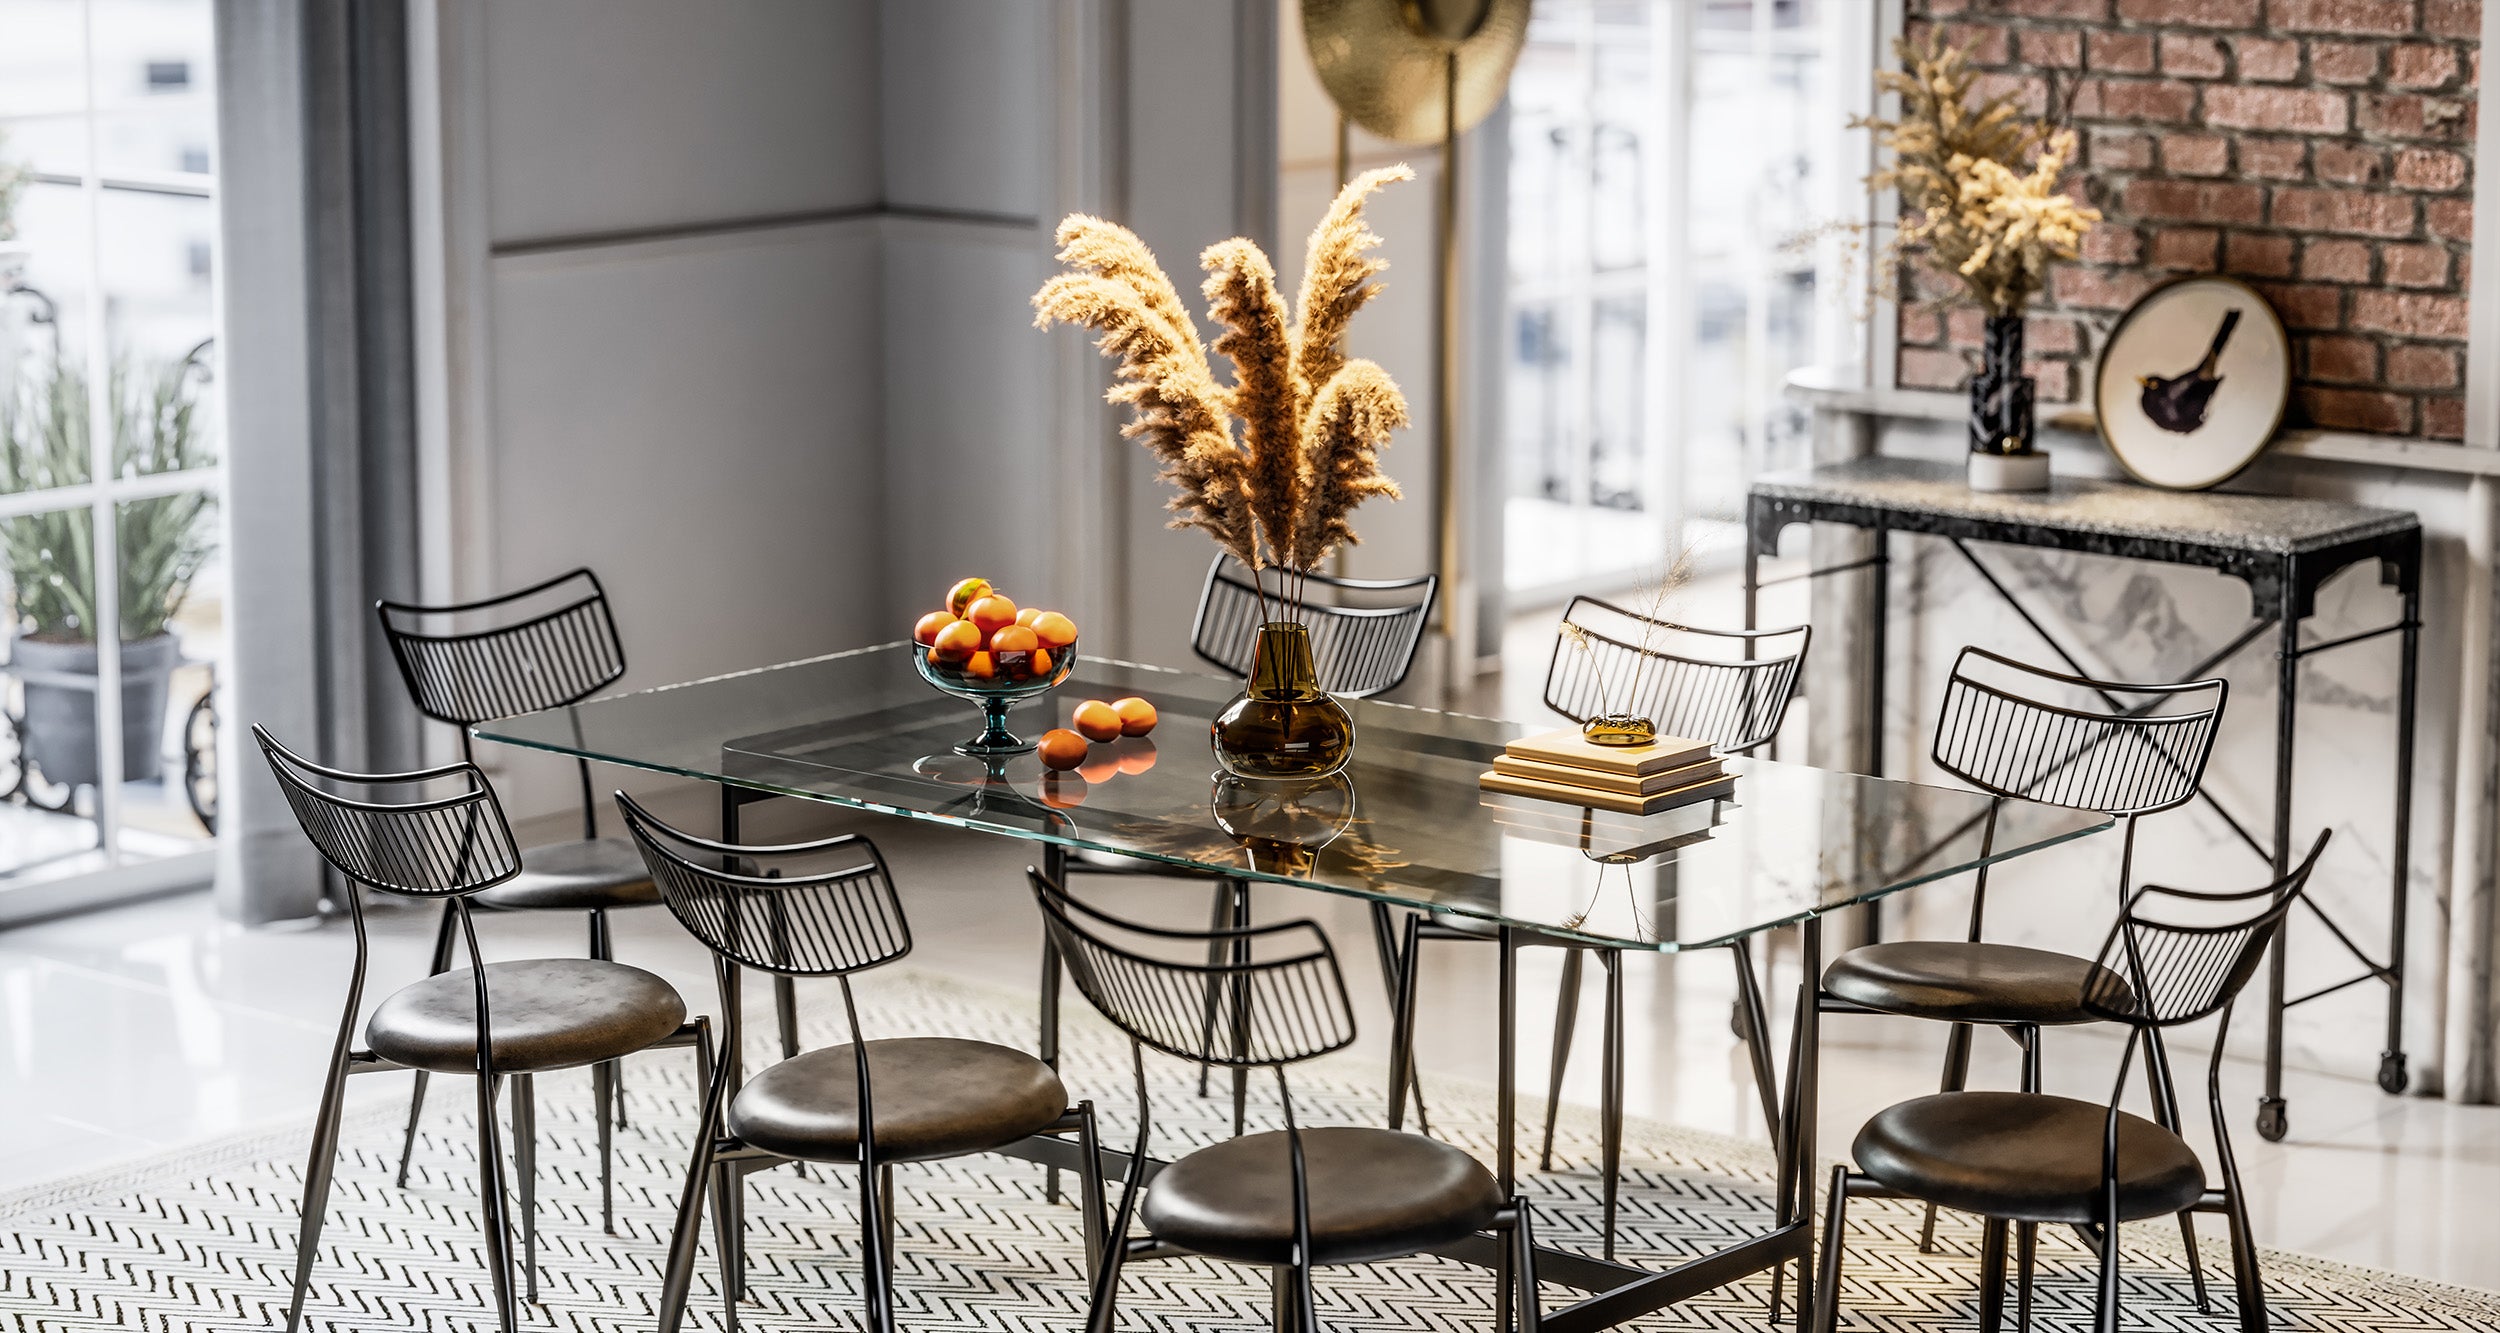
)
(1404, 822)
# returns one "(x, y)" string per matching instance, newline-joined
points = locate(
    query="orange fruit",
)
(925, 633)
(1137, 717)
(1041, 661)
(1096, 721)
(1134, 755)
(965, 594)
(1100, 768)
(992, 613)
(1061, 748)
(1063, 791)
(982, 666)
(956, 642)
(1054, 629)
(1027, 616)
(1013, 639)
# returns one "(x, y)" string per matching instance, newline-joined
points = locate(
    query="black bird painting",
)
(2177, 403)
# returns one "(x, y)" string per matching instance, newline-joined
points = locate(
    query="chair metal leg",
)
(685, 1238)
(1610, 1096)
(416, 1097)
(1992, 1274)
(1757, 1034)
(2105, 1313)
(525, 1166)
(317, 1170)
(611, 1102)
(1566, 1019)
(1956, 1075)
(493, 1215)
(786, 1014)
(1827, 1293)
(2166, 1114)
(2026, 1248)
(1402, 1025)
(1219, 918)
(1523, 1265)
(1385, 939)
(726, 1244)
(1097, 1217)
(1241, 1008)
(602, 1089)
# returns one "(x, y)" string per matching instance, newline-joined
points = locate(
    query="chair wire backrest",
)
(1364, 632)
(1243, 1012)
(467, 664)
(1692, 682)
(2157, 972)
(822, 922)
(2125, 760)
(430, 847)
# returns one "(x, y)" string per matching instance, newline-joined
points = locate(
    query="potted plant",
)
(50, 558)
(1979, 204)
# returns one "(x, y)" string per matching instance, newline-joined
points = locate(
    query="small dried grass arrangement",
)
(1277, 495)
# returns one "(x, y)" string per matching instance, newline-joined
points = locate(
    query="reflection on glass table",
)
(862, 729)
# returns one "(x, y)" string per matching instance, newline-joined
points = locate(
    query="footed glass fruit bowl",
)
(994, 684)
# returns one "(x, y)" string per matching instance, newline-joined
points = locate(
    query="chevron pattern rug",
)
(202, 1239)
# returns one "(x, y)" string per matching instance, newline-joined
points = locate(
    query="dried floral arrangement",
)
(1977, 179)
(1623, 670)
(1279, 495)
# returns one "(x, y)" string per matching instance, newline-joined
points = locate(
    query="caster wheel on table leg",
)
(2392, 1077)
(2273, 1119)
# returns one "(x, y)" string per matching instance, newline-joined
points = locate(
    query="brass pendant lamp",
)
(1416, 71)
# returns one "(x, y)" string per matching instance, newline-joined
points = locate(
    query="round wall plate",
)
(2193, 382)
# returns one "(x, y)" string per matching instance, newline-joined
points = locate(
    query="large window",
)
(109, 449)
(1665, 159)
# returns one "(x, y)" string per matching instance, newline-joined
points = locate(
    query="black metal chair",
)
(828, 909)
(1731, 688)
(2019, 731)
(1364, 633)
(498, 1020)
(2025, 1158)
(1288, 1201)
(544, 646)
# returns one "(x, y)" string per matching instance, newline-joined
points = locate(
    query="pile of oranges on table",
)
(1095, 721)
(983, 636)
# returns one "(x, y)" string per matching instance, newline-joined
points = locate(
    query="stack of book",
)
(1627, 779)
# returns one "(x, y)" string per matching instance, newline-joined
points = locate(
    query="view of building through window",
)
(107, 258)
(1664, 161)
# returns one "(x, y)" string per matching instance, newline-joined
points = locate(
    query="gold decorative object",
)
(1388, 63)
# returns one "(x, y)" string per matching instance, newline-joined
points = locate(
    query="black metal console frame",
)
(2282, 588)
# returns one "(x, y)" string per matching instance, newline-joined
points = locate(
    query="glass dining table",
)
(1404, 826)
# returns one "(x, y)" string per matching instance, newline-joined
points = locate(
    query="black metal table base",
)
(2283, 584)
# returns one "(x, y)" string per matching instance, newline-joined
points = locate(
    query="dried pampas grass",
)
(1312, 421)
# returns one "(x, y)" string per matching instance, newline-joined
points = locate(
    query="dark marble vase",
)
(2001, 394)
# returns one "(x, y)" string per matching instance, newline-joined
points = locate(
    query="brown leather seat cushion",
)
(934, 1097)
(548, 1013)
(1375, 1194)
(575, 876)
(2026, 1157)
(1958, 981)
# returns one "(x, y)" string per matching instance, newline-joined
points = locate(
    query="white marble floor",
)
(132, 1031)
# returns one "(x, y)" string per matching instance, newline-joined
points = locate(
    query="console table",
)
(2283, 548)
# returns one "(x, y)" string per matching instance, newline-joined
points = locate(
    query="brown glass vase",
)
(1282, 724)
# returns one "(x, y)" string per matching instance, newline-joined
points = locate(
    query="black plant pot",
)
(60, 718)
(2001, 394)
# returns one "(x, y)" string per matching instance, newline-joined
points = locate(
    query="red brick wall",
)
(2320, 149)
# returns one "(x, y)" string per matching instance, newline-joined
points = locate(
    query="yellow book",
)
(1573, 750)
(1722, 785)
(1665, 779)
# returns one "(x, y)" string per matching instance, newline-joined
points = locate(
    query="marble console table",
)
(2282, 548)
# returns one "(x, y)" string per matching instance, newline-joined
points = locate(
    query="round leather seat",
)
(1374, 1194)
(935, 1097)
(2026, 1157)
(1961, 982)
(575, 876)
(548, 1013)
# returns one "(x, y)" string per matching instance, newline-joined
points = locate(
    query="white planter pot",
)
(2009, 472)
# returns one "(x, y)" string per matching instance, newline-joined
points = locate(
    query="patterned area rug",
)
(201, 1239)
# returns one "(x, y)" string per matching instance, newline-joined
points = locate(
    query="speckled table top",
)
(2275, 524)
